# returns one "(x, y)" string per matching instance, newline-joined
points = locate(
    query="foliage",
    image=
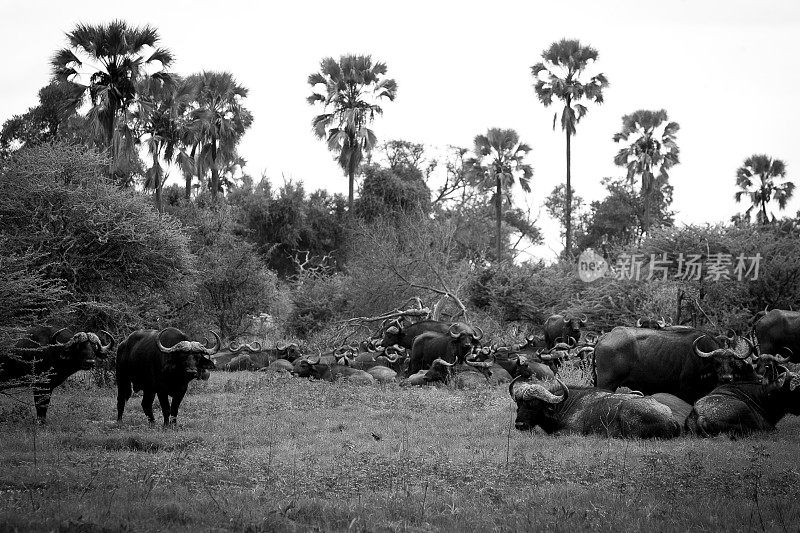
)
(317, 299)
(615, 221)
(760, 178)
(352, 86)
(121, 263)
(555, 205)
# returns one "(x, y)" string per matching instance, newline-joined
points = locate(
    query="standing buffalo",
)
(453, 346)
(46, 357)
(683, 362)
(746, 407)
(586, 410)
(566, 327)
(161, 363)
(404, 336)
(779, 330)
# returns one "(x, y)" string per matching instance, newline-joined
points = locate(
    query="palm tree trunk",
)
(764, 220)
(159, 206)
(188, 176)
(351, 178)
(498, 214)
(568, 210)
(647, 192)
(214, 170)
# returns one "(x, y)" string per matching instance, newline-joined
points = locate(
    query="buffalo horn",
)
(481, 364)
(583, 319)
(450, 331)
(774, 358)
(314, 362)
(393, 330)
(479, 336)
(566, 320)
(535, 391)
(744, 354)
(212, 350)
(107, 347)
(55, 335)
(639, 323)
(701, 353)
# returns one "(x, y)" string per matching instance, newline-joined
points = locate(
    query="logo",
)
(591, 266)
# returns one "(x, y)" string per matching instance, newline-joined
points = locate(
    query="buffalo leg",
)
(147, 404)
(124, 392)
(41, 398)
(163, 399)
(176, 403)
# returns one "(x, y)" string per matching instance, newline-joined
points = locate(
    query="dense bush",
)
(121, 263)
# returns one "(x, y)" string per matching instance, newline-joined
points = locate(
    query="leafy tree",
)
(499, 160)
(105, 62)
(763, 179)
(555, 205)
(650, 150)
(353, 85)
(41, 124)
(562, 75)
(219, 120)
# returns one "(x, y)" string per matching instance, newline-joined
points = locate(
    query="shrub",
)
(120, 262)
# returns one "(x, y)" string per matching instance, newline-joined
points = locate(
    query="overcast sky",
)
(725, 70)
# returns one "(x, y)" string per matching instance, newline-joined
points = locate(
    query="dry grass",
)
(261, 453)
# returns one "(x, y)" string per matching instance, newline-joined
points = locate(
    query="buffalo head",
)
(536, 400)
(730, 364)
(190, 359)
(80, 350)
(465, 338)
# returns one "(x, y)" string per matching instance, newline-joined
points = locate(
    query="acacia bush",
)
(120, 263)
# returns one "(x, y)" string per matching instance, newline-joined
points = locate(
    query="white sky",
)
(725, 70)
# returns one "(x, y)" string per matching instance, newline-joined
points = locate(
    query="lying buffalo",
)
(746, 407)
(453, 346)
(161, 363)
(587, 410)
(315, 368)
(777, 331)
(684, 362)
(46, 357)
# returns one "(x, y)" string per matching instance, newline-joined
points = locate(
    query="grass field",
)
(255, 452)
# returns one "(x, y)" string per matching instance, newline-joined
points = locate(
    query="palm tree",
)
(562, 75)
(352, 86)
(162, 117)
(649, 147)
(219, 120)
(105, 62)
(769, 172)
(499, 159)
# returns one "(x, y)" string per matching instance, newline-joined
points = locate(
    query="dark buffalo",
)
(746, 407)
(161, 363)
(587, 410)
(668, 361)
(397, 334)
(453, 346)
(565, 327)
(779, 330)
(516, 361)
(46, 357)
(495, 373)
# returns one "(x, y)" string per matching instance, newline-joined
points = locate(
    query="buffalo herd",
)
(651, 380)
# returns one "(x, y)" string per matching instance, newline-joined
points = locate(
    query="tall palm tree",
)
(562, 75)
(352, 86)
(219, 120)
(163, 120)
(105, 62)
(768, 172)
(650, 150)
(500, 159)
